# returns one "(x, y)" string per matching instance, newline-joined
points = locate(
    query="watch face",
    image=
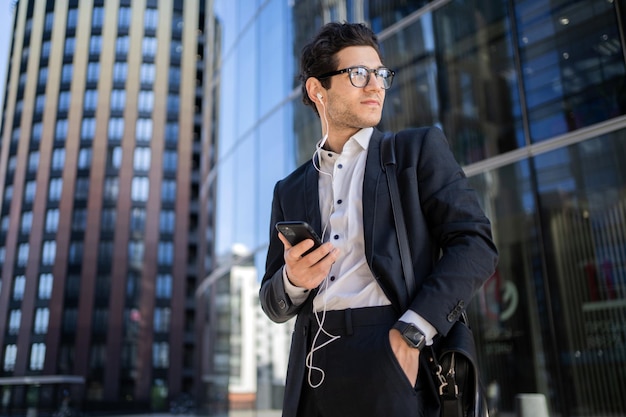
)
(415, 337)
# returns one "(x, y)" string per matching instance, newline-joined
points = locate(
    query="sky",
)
(6, 23)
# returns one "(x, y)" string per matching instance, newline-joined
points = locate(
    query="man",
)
(355, 350)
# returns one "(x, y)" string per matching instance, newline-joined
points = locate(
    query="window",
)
(97, 17)
(135, 253)
(58, 159)
(173, 103)
(93, 72)
(105, 255)
(139, 189)
(36, 132)
(79, 220)
(121, 45)
(120, 72)
(145, 101)
(49, 21)
(40, 103)
(114, 157)
(144, 130)
(88, 129)
(8, 193)
(72, 18)
(164, 286)
(66, 73)
(91, 100)
(29, 191)
(76, 253)
(162, 319)
(118, 100)
(22, 257)
(149, 47)
(170, 160)
(52, 220)
(70, 315)
(166, 221)
(116, 129)
(60, 133)
(19, 285)
(16, 134)
(33, 161)
(81, 192)
(84, 158)
(70, 46)
(10, 354)
(27, 221)
(147, 73)
(54, 191)
(151, 19)
(111, 188)
(64, 101)
(45, 286)
(137, 220)
(174, 77)
(108, 220)
(123, 18)
(45, 49)
(43, 76)
(168, 190)
(15, 318)
(42, 317)
(165, 254)
(160, 355)
(142, 159)
(95, 45)
(37, 356)
(49, 252)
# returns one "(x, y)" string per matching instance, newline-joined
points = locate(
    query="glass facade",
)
(532, 96)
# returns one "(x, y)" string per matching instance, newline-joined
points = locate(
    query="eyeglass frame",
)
(369, 74)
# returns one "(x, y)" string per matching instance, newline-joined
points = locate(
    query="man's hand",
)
(407, 356)
(309, 271)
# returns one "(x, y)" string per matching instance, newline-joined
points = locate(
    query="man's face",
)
(349, 108)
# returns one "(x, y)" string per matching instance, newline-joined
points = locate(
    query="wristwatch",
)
(411, 334)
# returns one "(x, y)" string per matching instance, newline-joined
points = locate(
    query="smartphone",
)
(297, 231)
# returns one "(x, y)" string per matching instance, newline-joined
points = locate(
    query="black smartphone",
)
(297, 231)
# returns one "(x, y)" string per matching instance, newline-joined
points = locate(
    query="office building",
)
(532, 96)
(100, 237)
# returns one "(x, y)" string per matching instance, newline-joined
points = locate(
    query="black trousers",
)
(357, 374)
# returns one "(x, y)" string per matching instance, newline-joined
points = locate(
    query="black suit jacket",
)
(450, 238)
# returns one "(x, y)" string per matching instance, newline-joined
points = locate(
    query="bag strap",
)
(388, 156)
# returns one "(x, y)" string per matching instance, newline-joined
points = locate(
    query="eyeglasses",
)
(360, 76)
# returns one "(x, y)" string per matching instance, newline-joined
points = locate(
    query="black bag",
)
(452, 359)
(453, 364)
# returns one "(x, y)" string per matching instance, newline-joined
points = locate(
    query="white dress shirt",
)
(350, 283)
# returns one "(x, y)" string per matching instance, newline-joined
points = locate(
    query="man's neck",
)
(336, 142)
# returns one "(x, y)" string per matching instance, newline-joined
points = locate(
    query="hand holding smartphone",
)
(297, 231)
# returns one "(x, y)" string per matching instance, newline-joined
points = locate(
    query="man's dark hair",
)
(320, 55)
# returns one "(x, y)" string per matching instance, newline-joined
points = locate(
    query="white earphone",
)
(319, 96)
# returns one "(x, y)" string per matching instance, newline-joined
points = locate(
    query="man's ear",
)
(314, 88)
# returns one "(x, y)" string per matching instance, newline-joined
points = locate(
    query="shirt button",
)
(340, 166)
(339, 201)
(336, 237)
(332, 278)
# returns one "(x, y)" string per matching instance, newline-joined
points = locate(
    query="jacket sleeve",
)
(460, 246)
(274, 299)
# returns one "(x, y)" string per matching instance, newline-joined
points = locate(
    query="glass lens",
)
(386, 76)
(359, 76)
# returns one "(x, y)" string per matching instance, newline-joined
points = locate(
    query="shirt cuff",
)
(425, 327)
(296, 294)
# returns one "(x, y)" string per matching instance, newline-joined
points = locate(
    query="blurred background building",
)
(141, 141)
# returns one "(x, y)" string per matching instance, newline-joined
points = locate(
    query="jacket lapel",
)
(371, 180)
(312, 198)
